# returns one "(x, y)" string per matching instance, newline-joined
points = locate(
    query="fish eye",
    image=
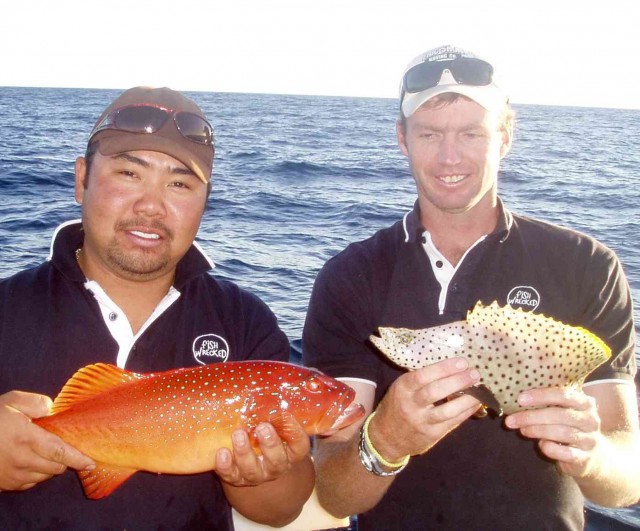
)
(312, 384)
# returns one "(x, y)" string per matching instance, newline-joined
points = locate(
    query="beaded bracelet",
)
(401, 464)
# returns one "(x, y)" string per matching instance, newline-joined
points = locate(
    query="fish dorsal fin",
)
(488, 316)
(103, 479)
(90, 381)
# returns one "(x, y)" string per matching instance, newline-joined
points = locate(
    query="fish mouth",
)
(352, 413)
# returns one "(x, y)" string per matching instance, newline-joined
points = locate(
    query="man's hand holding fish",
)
(29, 454)
(241, 467)
(587, 435)
(417, 411)
(581, 430)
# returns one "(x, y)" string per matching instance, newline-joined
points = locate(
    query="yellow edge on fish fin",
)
(597, 340)
(480, 310)
(103, 480)
(90, 381)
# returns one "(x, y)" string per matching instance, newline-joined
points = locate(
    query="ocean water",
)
(296, 178)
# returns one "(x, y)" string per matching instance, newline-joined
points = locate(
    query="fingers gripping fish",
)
(513, 350)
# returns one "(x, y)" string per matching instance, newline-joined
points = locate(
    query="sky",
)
(549, 52)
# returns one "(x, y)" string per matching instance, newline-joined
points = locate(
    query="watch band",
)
(372, 460)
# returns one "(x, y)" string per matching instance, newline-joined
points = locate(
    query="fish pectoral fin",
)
(285, 425)
(103, 480)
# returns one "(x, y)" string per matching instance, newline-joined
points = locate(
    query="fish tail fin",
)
(103, 480)
(604, 352)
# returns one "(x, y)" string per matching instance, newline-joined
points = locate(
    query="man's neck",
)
(136, 298)
(137, 301)
(454, 233)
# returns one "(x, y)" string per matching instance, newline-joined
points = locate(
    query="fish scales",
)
(513, 350)
(175, 421)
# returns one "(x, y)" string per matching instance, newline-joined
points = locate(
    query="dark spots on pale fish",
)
(512, 349)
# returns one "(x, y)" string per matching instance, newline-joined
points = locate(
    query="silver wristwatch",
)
(371, 462)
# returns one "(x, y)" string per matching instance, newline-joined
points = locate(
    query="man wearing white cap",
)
(423, 459)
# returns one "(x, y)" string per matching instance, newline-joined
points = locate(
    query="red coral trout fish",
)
(174, 422)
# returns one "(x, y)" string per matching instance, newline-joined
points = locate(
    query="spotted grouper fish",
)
(513, 350)
(174, 422)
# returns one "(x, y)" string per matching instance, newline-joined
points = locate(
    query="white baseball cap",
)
(449, 69)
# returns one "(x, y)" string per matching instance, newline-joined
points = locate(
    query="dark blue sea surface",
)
(296, 178)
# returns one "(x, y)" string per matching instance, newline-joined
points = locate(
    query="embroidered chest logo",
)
(210, 348)
(524, 297)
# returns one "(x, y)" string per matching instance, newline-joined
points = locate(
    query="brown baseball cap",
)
(197, 155)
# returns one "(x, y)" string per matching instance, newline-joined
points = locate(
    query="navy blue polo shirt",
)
(51, 324)
(481, 476)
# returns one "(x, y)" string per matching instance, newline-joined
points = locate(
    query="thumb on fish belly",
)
(103, 479)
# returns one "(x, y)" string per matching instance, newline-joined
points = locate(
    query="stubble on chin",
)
(137, 264)
(140, 263)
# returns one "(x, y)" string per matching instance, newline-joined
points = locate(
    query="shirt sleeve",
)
(609, 314)
(262, 338)
(340, 319)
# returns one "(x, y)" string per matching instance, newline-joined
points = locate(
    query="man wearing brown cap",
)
(420, 461)
(127, 285)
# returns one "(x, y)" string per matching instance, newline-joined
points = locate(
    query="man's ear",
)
(81, 176)
(401, 129)
(507, 138)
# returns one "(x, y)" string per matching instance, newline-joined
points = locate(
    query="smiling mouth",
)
(145, 235)
(451, 179)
